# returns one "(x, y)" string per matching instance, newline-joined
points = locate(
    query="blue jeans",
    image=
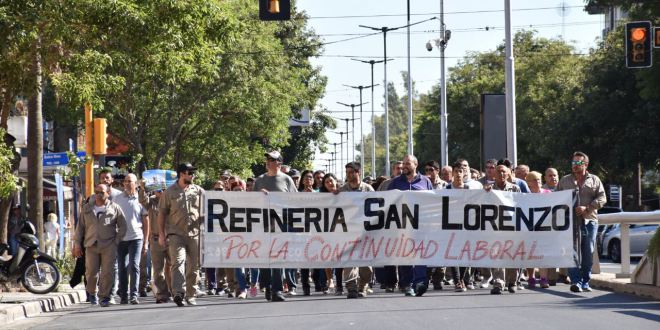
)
(582, 275)
(240, 278)
(290, 277)
(254, 276)
(410, 276)
(131, 265)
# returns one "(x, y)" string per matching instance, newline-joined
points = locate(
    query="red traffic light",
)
(638, 34)
(638, 45)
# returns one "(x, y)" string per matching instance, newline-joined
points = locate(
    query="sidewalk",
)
(19, 305)
(608, 281)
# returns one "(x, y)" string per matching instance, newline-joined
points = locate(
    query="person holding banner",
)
(387, 275)
(274, 180)
(460, 275)
(179, 219)
(510, 275)
(412, 279)
(318, 275)
(432, 171)
(590, 198)
(329, 185)
(533, 180)
(357, 278)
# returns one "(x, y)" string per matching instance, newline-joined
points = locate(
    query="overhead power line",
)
(446, 13)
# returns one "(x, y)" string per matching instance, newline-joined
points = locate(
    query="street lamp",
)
(353, 120)
(441, 44)
(386, 29)
(373, 118)
(362, 133)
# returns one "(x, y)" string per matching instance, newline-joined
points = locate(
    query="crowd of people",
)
(153, 241)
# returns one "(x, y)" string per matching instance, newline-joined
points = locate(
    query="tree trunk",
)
(5, 203)
(35, 149)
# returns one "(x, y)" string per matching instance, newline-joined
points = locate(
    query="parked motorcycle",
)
(36, 270)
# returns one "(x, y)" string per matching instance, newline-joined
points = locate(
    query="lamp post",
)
(341, 147)
(441, 44)
(386, 29)
(361, 132)
(332, 161)
(373, 118)
(353, 120)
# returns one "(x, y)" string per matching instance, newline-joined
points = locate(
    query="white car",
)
(639, 240)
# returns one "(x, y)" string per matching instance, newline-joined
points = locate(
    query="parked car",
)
(602, 229)
(639, 240)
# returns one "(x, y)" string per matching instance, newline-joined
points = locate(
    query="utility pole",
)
(353, 119)
(373, 117)
(510, 86)
(386, 29)
(361, 132)
(410, 94)
(441, 44)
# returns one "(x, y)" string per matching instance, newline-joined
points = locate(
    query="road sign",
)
(59, 158)
(615, 193)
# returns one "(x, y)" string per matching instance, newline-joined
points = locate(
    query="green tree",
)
(548, 80)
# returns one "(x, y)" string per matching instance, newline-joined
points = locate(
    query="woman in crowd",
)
(461, 275)
(318, 275)
(533, 180)
(330, 185)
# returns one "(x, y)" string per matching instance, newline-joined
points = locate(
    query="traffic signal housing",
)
(274, 10)
(100, 136)
(639, 51)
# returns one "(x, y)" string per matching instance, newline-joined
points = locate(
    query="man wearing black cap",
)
(274, 180)
(179, 218)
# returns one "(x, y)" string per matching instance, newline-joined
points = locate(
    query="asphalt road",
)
(553, 308)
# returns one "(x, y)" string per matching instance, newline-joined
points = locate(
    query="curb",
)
(640, 290)
(43, 305)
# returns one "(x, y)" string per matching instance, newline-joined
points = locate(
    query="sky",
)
(476, 25)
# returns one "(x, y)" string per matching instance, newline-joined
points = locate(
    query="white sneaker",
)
(485, 285)
(191, 301)
(292, 292)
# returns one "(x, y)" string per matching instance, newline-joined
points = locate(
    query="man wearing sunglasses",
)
(432, 171)
(179, 219)
(99, 231)
(590, 198)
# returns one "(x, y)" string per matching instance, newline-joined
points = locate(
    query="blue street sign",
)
(59, 158)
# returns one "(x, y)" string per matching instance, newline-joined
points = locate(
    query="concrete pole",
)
(444, 155)
(410, 94)
(510, 85)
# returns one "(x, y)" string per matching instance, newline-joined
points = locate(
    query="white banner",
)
(435, 228)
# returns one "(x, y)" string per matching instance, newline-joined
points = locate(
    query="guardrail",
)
(625, 219)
